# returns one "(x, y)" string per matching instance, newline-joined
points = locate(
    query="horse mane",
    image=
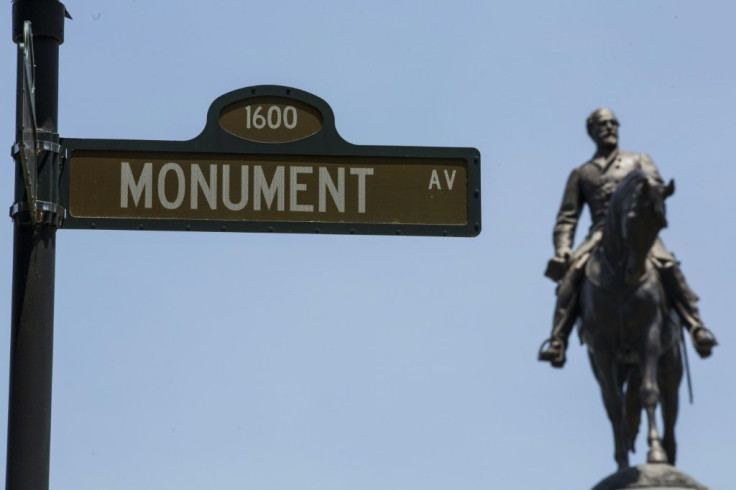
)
(628, 187)
(635, 214)
(612, 225)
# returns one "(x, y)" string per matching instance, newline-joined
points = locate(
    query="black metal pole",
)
(34, 259)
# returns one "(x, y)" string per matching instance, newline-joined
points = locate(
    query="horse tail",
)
(633, 408)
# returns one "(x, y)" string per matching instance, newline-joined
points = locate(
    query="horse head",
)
(635, 217)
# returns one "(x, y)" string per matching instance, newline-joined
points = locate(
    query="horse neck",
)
(612, 239)
(640, 244)
(624, 253)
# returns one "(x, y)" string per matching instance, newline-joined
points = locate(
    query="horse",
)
(632, 335)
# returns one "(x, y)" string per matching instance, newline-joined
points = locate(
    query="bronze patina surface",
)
(626, 290)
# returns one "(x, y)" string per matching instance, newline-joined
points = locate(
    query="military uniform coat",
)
(594, 183)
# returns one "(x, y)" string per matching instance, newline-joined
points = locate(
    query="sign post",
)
(38, 29)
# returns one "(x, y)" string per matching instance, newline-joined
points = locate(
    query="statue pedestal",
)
(650, 477)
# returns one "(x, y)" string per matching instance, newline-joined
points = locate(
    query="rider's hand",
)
(563, 254)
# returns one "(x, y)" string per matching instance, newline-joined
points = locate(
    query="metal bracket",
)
(46, 213)
(43, 145)
(29, 138)
(30, 149)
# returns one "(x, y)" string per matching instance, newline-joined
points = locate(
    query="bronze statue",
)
(594, 183)
(626, 288)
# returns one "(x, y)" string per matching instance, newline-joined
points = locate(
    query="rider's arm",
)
(646, 164)
(567, 218)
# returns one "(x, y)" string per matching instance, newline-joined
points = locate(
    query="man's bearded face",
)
(604, 129)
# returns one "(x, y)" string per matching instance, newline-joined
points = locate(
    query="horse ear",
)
(670, 189)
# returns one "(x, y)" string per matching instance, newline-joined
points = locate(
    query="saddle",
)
(599, 272)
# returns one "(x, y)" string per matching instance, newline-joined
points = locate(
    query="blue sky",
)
(277, 362)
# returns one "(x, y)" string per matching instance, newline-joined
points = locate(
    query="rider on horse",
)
(593, 183)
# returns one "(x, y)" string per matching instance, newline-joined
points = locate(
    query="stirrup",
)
(558, 358)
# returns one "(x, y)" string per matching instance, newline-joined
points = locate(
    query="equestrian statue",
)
(626, 290)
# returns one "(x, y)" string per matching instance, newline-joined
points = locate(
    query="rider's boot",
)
(553, 349)
(685, 302)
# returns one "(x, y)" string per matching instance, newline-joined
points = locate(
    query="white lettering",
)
(290, 109)
(434, 180)
(295, 187)
(361, 173)
(275, 189)
(181, 184)
(128, 183)
(243, 188)
(450, 180)
(274, 117)
(336, 191)
(208, 188)
(309, 188)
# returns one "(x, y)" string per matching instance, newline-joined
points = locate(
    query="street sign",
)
(270, 159)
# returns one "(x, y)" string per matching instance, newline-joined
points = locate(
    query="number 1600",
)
(275, 117)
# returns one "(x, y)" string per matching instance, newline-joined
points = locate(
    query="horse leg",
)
(633, 407)
(606, 371)
(649, 393)
(623, 373)
(670, 376)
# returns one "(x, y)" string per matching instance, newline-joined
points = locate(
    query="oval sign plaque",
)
(271, 119)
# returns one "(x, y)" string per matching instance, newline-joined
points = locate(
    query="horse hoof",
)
(657, 455)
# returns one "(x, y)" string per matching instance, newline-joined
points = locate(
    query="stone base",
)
(650, 476)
